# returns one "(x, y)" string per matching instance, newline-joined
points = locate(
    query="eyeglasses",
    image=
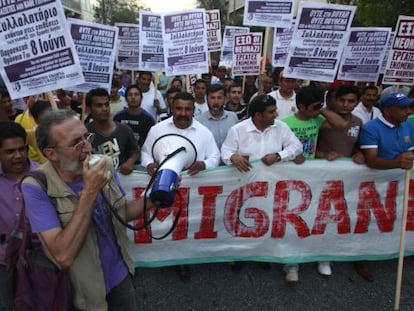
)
(317, 106)
(86, 138)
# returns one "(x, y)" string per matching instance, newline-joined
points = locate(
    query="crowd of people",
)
(230, 121)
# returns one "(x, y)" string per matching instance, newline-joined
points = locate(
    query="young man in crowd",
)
(285, 96)
(134, 116)
(366, 110)
(111, 138)
(235, 101)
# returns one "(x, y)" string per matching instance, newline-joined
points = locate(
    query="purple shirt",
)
(11, 203)
(42, 216)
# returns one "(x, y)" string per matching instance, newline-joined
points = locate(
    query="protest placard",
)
(213, 30)
(400, 66)
(226, 57)
(247, 52)
(151, 48)
(185, 42)
(127, 47)
(321, 32)
(36, 50)
(95, 45)
(268, 13)
(281, 41)
(363, 54)
(387, 52)
(282, 213)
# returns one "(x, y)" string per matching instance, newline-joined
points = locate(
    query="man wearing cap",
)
(386, 141)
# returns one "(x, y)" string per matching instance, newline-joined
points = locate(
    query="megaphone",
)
(174, 153)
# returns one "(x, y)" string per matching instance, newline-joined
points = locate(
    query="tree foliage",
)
(110, 12)
(376, 13)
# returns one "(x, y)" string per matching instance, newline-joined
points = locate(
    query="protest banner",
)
(247, 52)
(226, 57)
(213, 30)
(387, 52)
(95, 45)
(127, 57)
(268, 13)
(363, 54)
(37, 54)
(400, 66)
(281, 41)
(151, 48)
(282, 213)
(320, 34)
(185, 42)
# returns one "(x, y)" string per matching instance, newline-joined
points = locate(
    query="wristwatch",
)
(278, 158)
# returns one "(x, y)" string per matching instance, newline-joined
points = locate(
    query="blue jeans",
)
(5, 296)
(122, 297)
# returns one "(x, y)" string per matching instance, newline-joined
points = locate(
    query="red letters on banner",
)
(332, 209)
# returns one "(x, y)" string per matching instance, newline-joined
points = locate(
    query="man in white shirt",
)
(260, 137)
(200, 98)
(285, 96)
(152, 101)
(365, 110)
(182, 123)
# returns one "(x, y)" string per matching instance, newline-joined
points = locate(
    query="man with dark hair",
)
(116, 101)
(235, 101)
(216, 119)
(111, 138)
(14, 164)
(249, 88)
(285, 96)
(305, 123)
(73, 219)
(200, 100)
(139, 120)
(182, 123)
(341, 141)
(366, 109)
(152, 100)
(7, 112)
(169, 98)
(260, 137)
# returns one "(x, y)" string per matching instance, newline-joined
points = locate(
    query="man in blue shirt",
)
(387, 141)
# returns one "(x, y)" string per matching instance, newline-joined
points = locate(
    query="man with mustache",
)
(366, 109)
(14, 164)
(182, 123)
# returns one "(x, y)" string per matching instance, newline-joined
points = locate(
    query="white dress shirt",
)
(245, 139)
(362, 112)
(197, 133)
(284, 106)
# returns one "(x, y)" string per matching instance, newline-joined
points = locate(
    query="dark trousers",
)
(5, 297)
(122, 297)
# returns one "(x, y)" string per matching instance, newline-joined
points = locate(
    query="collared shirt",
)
(11, 203)
(362, 112)
(147, 102)
(390, 140)
(219, 127)
(284, 106)
(197, 133)
(245, 139)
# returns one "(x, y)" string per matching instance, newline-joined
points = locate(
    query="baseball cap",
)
(396, 99)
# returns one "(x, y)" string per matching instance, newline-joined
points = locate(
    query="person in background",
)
(36, 110)
(116, 101)
(7, 112)
(234, 101)
(169, 97)
(285, 96)
(200, 99)
(134, 116)
(366, 110)
(152, 100)
(216, 119)
(249, 88)
(111, 138)
(266, 84)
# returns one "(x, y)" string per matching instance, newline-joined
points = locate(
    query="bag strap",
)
(22, 230)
